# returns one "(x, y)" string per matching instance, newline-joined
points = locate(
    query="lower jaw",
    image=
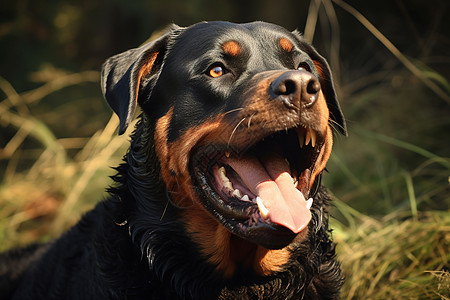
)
(244, 255)
(243, 223)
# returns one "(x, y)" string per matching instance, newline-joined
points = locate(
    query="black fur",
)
(133, 245)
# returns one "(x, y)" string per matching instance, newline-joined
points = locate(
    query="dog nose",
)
(295, 88)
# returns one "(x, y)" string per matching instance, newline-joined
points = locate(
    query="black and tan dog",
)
(219, 195)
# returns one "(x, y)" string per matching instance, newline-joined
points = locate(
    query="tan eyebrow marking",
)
(286, 44)
(231, 48)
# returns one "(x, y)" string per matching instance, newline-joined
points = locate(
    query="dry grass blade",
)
(445, 162)
(332, 21)
(311, 21)
(107, 145)
(391, 47)
(60, 83)
(30, 126)
(397, 259)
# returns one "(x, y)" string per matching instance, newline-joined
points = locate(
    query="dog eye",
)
(304, 67)
(216, 71)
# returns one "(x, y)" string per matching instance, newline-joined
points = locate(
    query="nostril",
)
(285, 88)
(291, 87)
(313, 87)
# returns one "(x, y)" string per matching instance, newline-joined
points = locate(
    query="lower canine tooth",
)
(309, 203)
(262, 209)
(245, 198)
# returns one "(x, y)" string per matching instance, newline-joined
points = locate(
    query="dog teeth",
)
(307, 136)
(245, 198)
(228, 185)
(223, 174)
(262, 209)
(237, 193)
(227, 153)
(309, 203)
(313, 137)
(225, 180)
(301, 138)
(230, 190)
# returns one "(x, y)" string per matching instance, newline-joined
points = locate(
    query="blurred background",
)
(389, 178)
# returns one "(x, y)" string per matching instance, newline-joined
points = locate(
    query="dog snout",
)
(295, 89)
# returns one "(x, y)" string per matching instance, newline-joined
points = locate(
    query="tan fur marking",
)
(144, 70)
(268, 261)
(162, 152)
(319, 68)
(321, 108)
(286, 44)
(213, 238)
(231, 48)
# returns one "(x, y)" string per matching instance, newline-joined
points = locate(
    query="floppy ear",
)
(326, 81)
(122, 76)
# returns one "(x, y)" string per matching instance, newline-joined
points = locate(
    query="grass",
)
(389, 178)
(395, 257)
(49, 181)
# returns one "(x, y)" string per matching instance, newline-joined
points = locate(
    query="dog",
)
(219, 194)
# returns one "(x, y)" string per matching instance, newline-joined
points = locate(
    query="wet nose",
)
(295, 88)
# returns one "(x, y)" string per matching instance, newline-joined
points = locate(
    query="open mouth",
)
(262, 192)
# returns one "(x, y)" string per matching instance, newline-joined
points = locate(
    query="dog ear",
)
(326, 81)
(122, 76)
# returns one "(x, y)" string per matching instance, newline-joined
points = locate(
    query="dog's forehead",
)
(209, 36)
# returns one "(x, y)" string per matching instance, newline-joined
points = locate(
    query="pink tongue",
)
(274, 185)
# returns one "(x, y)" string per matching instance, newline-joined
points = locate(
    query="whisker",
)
(250, 120)
(234, 130)
(233, 110)
(164, 212)
(334, 124)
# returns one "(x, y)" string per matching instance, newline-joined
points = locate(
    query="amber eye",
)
(216, 71)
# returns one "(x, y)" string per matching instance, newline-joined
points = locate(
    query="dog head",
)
(243, 117)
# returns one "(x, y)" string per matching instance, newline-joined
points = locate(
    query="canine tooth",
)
(237, 193)
(223, 174)
(225, 180)
(313, 138)
(228, 185)
(227, 153)
(262, 209)
(301, 139)
(308, 136)
(309, 203)
(245, 198)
